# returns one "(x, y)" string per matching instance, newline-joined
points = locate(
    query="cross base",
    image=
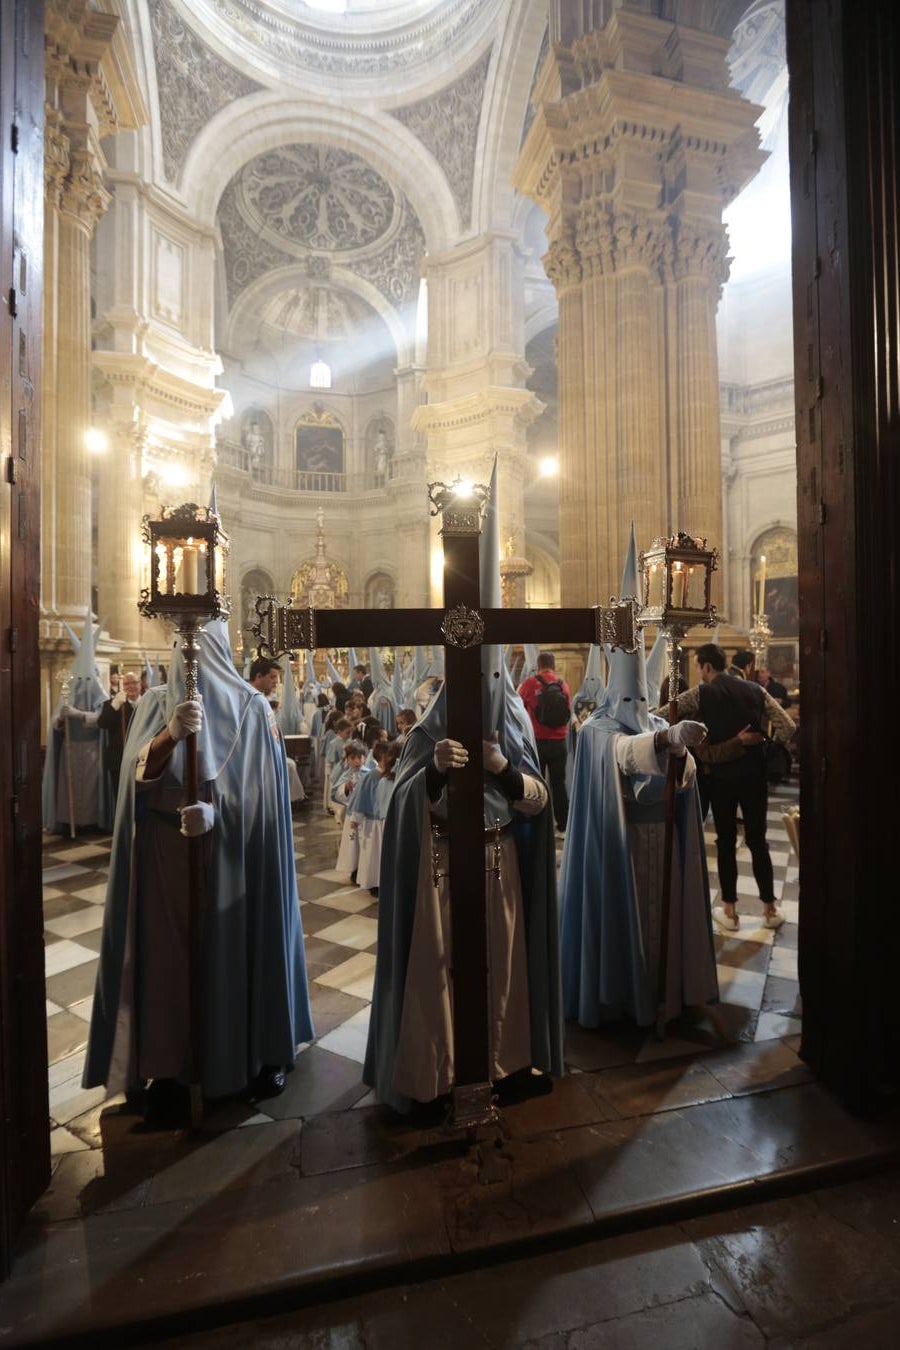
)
(471, 1105)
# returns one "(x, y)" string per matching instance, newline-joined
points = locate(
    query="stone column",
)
(637, 147)
(119, 547)
(82, 201)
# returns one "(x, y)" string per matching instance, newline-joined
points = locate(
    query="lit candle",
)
(189, 569)
(762, 584)
(679, 586)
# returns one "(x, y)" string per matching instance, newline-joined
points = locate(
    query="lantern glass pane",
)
(696, 593)
(656, 587)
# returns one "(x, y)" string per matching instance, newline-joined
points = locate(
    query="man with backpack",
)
(549, 705)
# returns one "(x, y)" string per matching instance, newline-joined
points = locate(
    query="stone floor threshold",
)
(122, 1278)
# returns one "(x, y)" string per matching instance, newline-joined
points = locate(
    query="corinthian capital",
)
(83, 195)
(56, 156)
(562, 264)
(700, 250)
(640, 240)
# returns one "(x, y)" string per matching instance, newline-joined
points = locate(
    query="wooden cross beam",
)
(462, 627)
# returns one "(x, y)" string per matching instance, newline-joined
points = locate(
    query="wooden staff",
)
(662, 979)
(195, 915)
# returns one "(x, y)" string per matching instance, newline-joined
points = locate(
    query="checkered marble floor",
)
(757, 978)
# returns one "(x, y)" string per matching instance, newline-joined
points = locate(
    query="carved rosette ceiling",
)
(193, 84)
(447, 125)
(296, 43)
(317, 197)
(321, 207)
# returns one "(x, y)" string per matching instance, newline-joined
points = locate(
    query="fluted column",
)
(699, 270)
(82, 201)
(56, 167)
(634, 196)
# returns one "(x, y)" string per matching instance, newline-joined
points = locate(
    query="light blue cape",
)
(87, 693)
(289, 715)
(604, 967)
(256, 1001)
(382, 700)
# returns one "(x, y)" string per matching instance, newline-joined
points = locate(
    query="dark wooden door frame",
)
(24, 1110)
(844, 63)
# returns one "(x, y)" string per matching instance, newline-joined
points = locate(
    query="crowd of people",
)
(587, 945)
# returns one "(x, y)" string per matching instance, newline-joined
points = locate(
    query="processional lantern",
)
(188, 550)
(188, 547)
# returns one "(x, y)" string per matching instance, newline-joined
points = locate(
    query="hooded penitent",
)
(381, 700)
(606, 967)
(406, 835)
(290, 714)
(92, 804)
(255, 999)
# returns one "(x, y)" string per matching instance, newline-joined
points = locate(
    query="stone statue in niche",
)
(380, 441)
(380, 592)
(258, 440)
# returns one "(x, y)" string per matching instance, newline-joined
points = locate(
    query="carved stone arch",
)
(267, 121)
(504, 112)
(380, 590)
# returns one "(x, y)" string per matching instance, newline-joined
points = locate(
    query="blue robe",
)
(407, 819)
(605, 972)
(92, 791)
(255, 997)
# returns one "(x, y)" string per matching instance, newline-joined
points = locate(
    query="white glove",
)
(450, 755)
(494, 759)
(186, 719)
(685, 734)
(196, 819)
(119, 700)
(77, 714)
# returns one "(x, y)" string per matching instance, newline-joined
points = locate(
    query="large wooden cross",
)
(462, 627)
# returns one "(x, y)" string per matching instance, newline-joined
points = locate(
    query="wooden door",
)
(24, 1127)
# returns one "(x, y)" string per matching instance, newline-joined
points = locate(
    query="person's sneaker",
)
(725, 921)
(773, 920)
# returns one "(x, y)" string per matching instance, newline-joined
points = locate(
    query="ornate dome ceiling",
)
(368, 38)
(318, 207)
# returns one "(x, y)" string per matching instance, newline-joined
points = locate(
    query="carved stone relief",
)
(193, 82)
(447, 125)
(284, 203)
(317, 197)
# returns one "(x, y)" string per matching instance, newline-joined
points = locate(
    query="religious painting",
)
(380, 591)
(320, 443)
(782, 606)
(380, 449)
(782, 662)
(258, 440)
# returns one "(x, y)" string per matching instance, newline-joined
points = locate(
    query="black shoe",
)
(269, 1082)
(167, 1105)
